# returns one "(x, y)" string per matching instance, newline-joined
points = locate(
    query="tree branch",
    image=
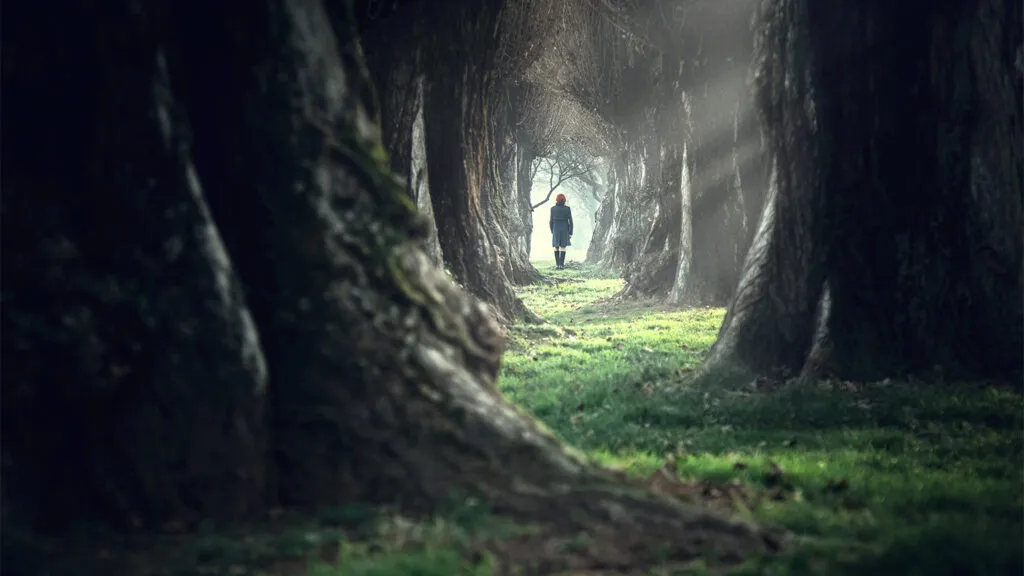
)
(570, 161)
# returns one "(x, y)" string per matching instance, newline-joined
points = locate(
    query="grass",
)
(904, 478)
(889, 477)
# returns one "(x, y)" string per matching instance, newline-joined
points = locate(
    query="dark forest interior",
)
(272, 302)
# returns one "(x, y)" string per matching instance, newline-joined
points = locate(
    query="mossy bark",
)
(459, 144)
(293, 345)
(393, 40)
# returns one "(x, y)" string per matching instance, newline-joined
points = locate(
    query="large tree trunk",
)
(726, 147)
(168, 317)
(498, 194)
(134, 384)
(417, 181)
(629, 218)
(392, 44)
(601, 251)
(604, 221)
(653, 271)
(458, 148)
(405, 141)
(896, 133)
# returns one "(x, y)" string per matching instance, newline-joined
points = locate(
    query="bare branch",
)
(570, 161)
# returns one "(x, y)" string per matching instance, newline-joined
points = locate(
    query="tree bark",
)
(135, 381)
(405, 142)
(312, 357)
(498, 195)
(653, 271)
(698, 97)
(726, 147)
(417, 181)
(392, 42)
(458, 145)
(920, 244)
(525, 155)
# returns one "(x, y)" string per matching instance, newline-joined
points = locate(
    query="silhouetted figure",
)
(561, 229)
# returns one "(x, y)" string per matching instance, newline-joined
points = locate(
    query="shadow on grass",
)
(895, 467)
(886, 478)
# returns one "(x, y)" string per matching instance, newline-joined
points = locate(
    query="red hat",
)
(560, 198)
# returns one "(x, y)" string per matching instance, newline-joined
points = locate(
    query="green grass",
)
(882, 478)
(891, 477)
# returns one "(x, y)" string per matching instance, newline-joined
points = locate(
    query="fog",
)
(580, 197)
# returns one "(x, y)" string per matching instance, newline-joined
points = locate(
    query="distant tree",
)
(700, 148)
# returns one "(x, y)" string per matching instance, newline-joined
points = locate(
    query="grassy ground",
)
(890, 477)
(886, 478)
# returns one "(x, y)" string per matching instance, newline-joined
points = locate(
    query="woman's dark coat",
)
(561, 226)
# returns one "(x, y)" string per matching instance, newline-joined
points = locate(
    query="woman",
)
(561, 230)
